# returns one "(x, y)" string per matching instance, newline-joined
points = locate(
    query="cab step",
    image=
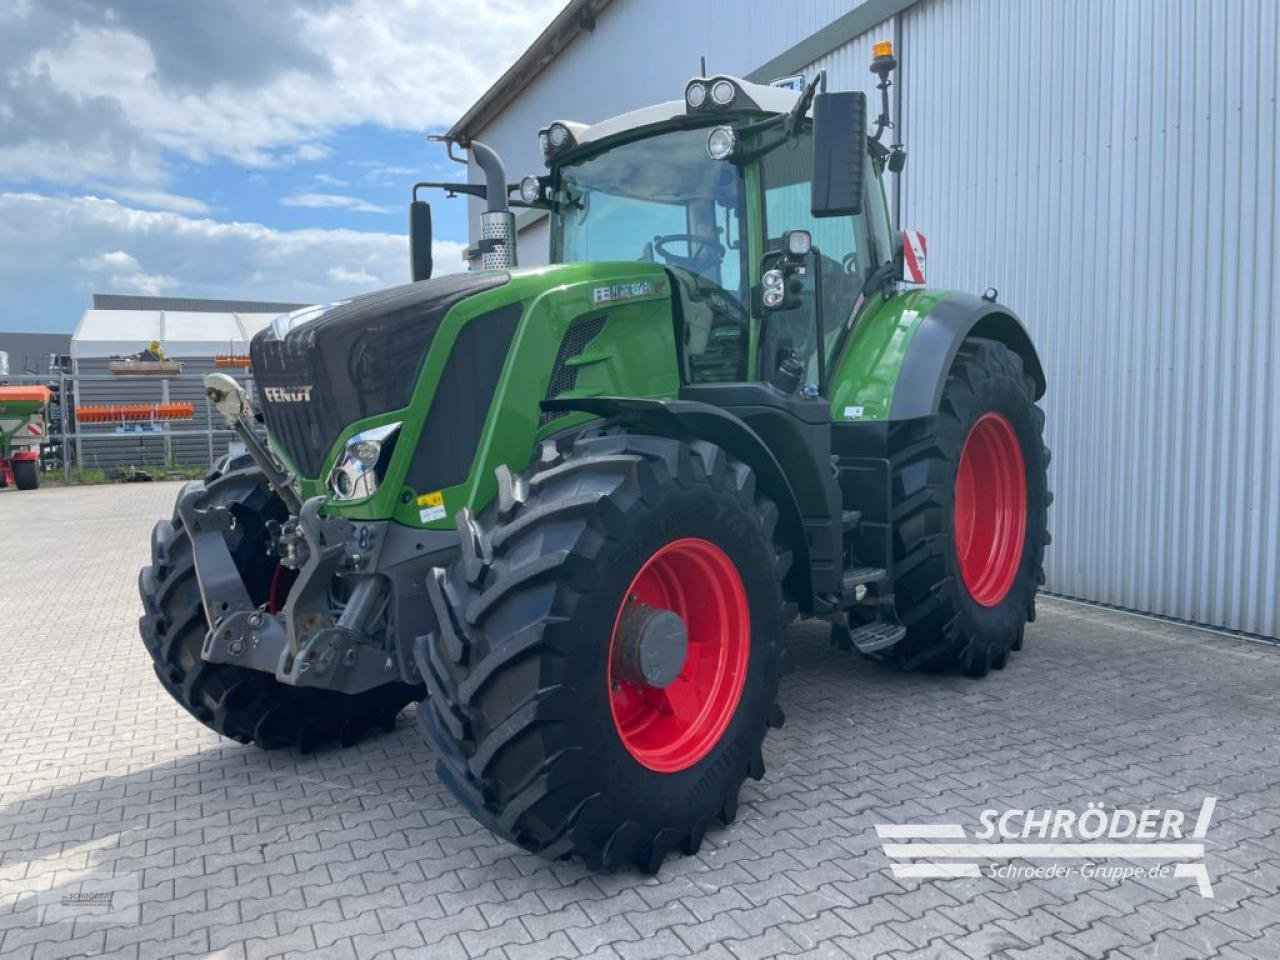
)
(876, 636)
(868, 638)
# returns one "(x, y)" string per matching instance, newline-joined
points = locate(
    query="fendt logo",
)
(288, 394)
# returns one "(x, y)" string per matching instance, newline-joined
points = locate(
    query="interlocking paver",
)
(362, 853)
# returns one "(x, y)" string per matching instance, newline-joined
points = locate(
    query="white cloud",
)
(329, 180)
(113, 260)
(122, 271)
(150, 284)
(335, 201)
(84, 244)
(341, 274)
(159, 199)
(411, 65)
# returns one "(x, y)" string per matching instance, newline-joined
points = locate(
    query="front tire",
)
(542, 735)
(970, 502)
(244, 705)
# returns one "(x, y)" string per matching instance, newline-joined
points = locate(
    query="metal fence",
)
(117, 444)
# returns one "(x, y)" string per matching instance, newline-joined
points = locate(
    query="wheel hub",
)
(650, 645)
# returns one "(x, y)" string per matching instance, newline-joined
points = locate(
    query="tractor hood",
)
(320, 368)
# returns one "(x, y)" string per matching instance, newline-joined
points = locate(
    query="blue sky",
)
(230, 148)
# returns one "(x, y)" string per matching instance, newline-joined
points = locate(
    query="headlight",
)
(530, 189)
(721, 143)
(557, 135)
(797, 243)
(362, 463)
(722, 93)
(773, 289)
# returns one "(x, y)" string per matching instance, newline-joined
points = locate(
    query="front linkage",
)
(312, 638)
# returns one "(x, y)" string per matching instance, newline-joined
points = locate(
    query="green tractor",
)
(571, 509)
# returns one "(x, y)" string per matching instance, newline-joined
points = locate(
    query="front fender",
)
(694, 419)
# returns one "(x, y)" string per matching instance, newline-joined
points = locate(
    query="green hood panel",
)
(633, 353)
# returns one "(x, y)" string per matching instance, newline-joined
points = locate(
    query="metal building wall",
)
(1111, 168)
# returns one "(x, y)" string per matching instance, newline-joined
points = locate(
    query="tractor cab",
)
(713, 198)
(761, 202)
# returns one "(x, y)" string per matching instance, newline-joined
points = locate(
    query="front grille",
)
(360, 357)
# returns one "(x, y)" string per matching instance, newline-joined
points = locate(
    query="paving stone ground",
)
(230, 851)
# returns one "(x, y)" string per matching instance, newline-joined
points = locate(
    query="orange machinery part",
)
(114, 412)
(231, 360)
(38, 393)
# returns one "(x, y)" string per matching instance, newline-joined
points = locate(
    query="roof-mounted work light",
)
(707, 94)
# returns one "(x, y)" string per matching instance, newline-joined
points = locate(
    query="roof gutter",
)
(577, 16)
(833, 36)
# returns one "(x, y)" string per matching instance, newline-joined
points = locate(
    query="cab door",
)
(844, 253)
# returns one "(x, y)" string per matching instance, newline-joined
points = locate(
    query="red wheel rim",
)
(673, 727)
(990, 509)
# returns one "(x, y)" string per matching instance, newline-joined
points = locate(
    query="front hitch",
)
(303, 645)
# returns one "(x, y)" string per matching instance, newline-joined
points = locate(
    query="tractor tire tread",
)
(541, 548)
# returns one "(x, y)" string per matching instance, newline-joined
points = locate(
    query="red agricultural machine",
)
(21, 430)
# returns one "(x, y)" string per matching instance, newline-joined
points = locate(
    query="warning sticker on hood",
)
(431, 506)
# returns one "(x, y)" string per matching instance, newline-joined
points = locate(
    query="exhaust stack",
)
(497, 223)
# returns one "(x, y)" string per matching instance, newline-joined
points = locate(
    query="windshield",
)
(660, 199)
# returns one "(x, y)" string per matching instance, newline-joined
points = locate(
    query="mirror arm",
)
(742, 159)
(453, 189)
(796, 116)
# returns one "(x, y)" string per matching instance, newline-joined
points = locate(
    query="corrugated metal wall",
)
(1111, 168)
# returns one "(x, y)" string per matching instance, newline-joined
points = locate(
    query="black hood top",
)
(354, 359)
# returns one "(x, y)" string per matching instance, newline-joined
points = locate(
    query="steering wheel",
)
(708, 252)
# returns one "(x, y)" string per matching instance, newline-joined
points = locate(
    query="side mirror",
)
(839, 152)
(420, 240)
(910, 259)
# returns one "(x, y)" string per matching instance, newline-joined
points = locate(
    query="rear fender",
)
(937, 339)
(684, 419)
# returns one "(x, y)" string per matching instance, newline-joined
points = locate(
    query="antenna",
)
(702, 62)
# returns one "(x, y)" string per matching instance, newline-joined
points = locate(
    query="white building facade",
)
(1110, 166)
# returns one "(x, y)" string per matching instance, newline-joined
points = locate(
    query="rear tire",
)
(966, 607)
(245, 705)
(26, 474)
(524, 701)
